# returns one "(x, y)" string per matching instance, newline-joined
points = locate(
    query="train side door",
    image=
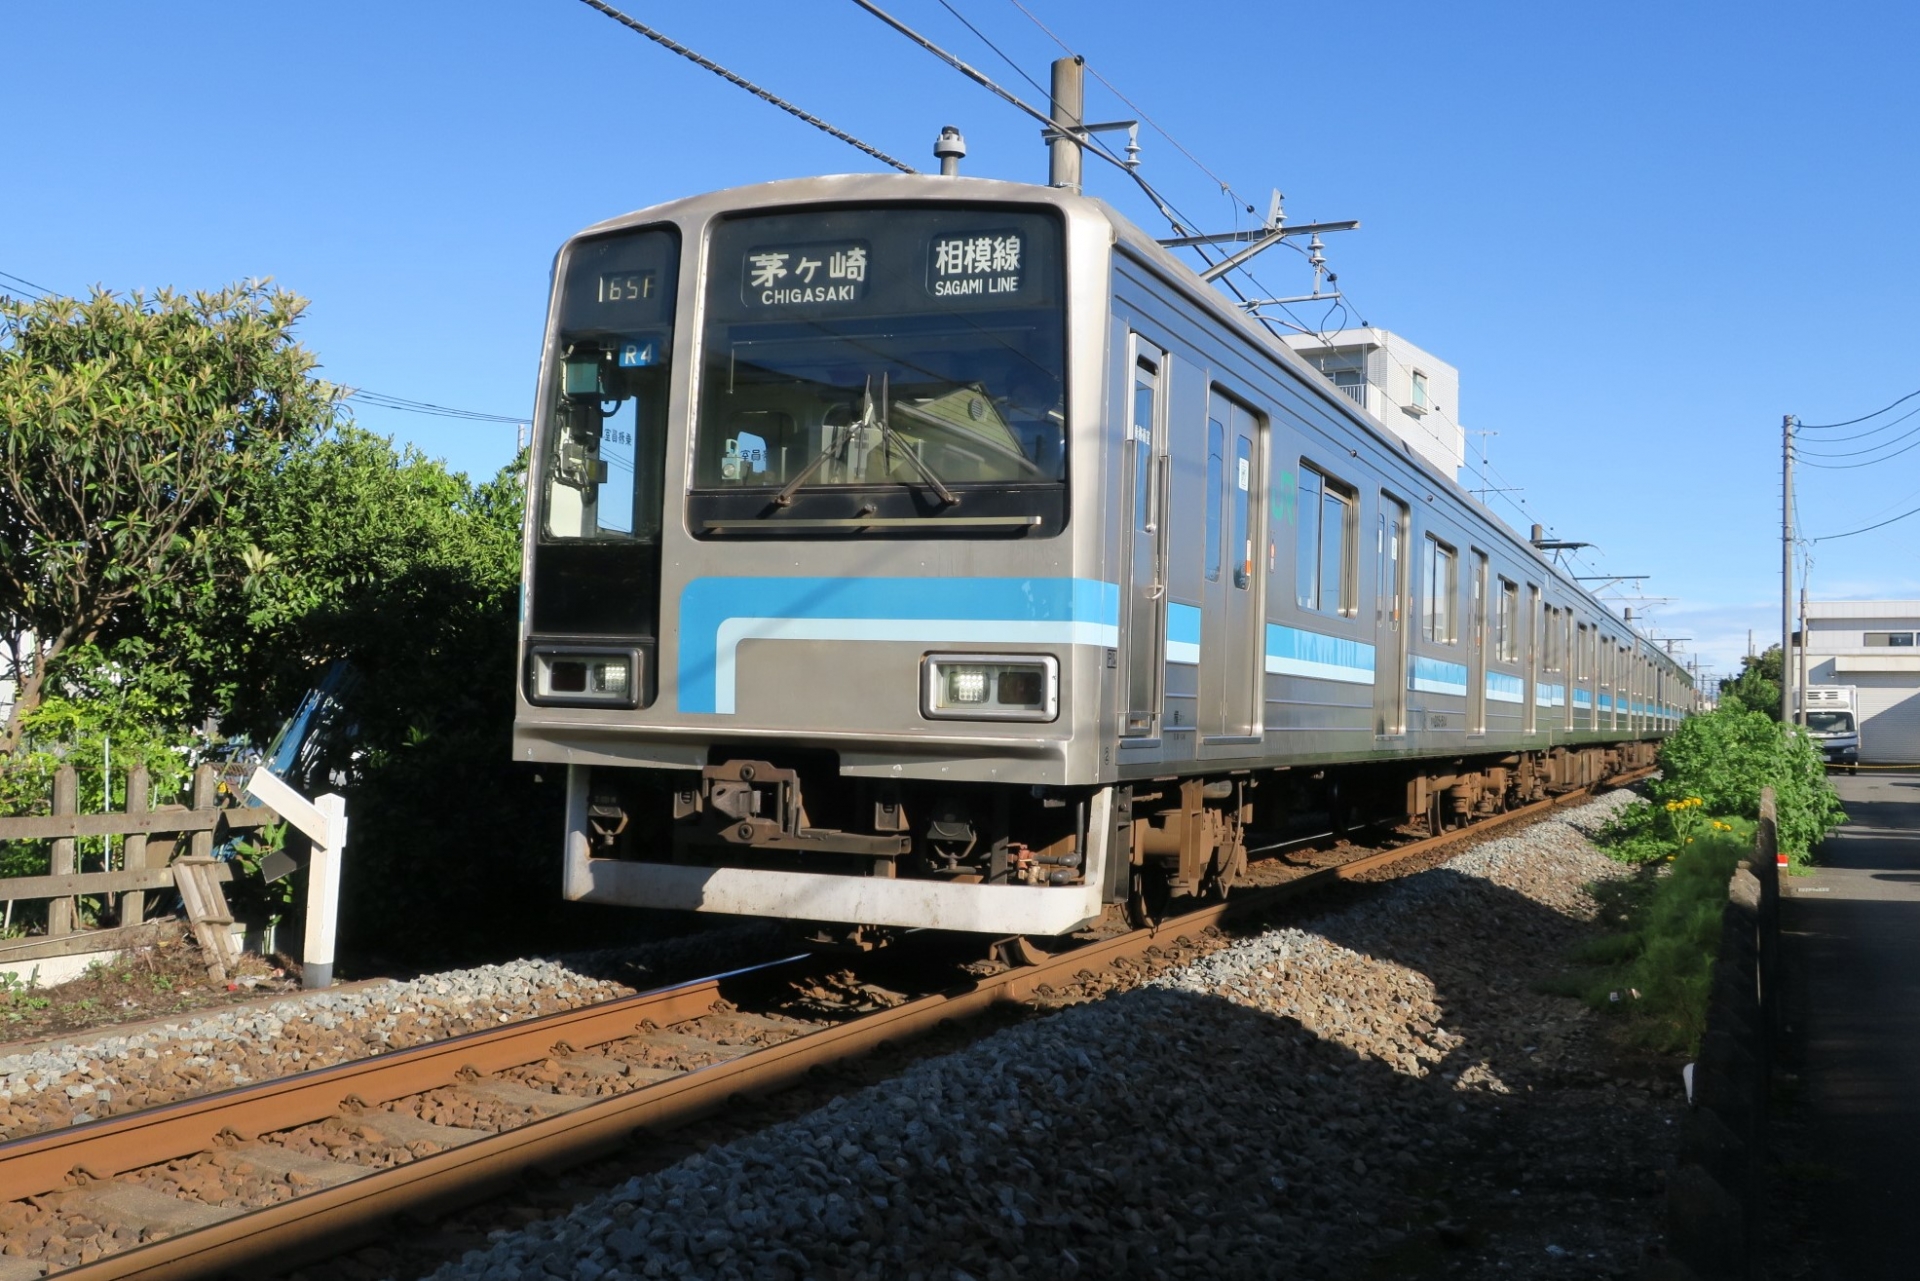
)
(1145, 480)
(1477, 646)
(1391, 620)
(1232, 661)
(1535, 634)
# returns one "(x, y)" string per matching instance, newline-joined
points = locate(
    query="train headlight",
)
(991, 687)
(578, 676)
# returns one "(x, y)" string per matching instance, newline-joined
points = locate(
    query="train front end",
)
(815, 614)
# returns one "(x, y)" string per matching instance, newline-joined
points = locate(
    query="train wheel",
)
(1016, 952)
(1228, 866)
(1147, 896)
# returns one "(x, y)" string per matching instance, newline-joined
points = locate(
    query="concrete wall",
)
(1887, 678)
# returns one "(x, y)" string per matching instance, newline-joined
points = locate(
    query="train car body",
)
(939, 552)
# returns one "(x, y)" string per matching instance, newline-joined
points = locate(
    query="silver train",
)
(914, 551)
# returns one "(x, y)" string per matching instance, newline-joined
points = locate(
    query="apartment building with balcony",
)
(1410, 391)
(1874, 646)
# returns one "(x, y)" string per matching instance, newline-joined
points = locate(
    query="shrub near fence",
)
(150, 858)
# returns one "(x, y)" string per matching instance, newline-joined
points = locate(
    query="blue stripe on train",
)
(1293, 652)
(716, 614)
(1436, 676)
(1183, 633)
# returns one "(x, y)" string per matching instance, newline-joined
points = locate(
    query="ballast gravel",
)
(1377, 1090)
(70, 1082)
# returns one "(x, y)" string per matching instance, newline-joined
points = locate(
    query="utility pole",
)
(1069, 103)
(1802, 718)
(1786, 565)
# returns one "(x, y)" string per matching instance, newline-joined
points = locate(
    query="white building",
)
(1413, 393)
(1870, 645)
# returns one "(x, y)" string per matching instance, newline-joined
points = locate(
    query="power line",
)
(1827, 538)
(39, 289)
(1855, 453)
(748, 85)
(384, 401)
(1867, 463)
(1851, 421)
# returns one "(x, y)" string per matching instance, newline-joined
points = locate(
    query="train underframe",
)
(1185, 836)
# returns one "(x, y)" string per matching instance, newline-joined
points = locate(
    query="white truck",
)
(1832, 718)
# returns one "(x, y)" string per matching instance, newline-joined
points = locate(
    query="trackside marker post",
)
(324, 820)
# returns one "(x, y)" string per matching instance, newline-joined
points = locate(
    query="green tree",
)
(353, 550)
(126, 426)
(1757, 687)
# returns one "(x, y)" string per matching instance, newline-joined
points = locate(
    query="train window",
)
(1440, 585)
(1241, 489)
(1329, 522)
(1145, 378)
(1506, 623)
(914, 353)
(604, 433)
(1216, 482)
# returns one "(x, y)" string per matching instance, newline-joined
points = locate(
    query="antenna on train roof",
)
(948, 148)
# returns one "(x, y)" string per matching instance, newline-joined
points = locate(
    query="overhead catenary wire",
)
(1018, 70)
(767, 95)
(1176, 218)
(1132, 106)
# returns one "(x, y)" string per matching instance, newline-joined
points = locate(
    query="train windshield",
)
(605, 437)
(901, 365)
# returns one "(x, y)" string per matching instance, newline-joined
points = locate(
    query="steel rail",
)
(41, 1163)
(324, 1223)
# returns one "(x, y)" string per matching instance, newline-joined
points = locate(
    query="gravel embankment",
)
(1378, 1090)
(85, 1079)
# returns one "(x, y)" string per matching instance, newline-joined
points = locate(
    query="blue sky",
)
(1643, 232)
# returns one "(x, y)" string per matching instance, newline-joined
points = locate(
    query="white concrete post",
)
(325, 822)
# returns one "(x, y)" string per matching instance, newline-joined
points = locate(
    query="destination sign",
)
(802, 275)
(976, 266)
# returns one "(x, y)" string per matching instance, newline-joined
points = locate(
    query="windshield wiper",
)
(843, 438)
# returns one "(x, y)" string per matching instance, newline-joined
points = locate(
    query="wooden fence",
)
(151, 859)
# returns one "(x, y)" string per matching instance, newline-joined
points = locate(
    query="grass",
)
(1653, 970)
(150, 982)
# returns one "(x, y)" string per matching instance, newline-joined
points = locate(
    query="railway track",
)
(310, 1165)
